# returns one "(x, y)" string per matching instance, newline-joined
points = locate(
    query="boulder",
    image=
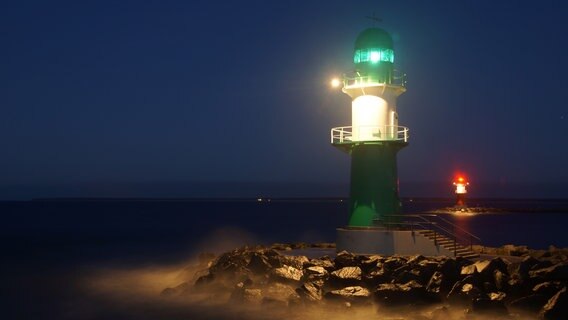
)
(354, 294)
(393, 263)
(310, 291)
(556, 307)
(247, 295)
(465, 291)
(322, 262)
(532, 303)
(435, 284)
(286, 274)
(517, 251)
(259, 263)
(395, 294)
(278, 294)
(548, 289)
(294, 261)
(347, 276)
(345, 259)
(555, 272)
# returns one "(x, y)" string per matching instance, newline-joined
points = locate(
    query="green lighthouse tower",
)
(374, 137)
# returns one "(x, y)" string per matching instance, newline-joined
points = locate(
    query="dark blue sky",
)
(107, 96)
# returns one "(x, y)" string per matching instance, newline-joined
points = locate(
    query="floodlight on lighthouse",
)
(335, 83)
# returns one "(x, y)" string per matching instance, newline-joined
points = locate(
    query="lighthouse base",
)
(387, 242)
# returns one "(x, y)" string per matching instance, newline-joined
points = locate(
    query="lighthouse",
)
(372, 140)
(461, 189)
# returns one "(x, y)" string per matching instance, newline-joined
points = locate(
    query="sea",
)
(43, 239)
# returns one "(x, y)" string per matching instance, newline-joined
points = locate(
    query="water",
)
(152, 229)
(46, 244)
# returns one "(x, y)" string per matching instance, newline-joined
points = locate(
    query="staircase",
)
(449, 244)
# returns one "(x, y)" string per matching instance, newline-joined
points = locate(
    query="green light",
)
(375, 56)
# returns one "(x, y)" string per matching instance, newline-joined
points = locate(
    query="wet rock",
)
(493, 305)
(281, 247)
(435, 283)
(393, 263)
(500, 280)
(259, 263)
(465, 291)
(278, 294)
(294, 261)
(548, 289)
(395, 294)
(532, 303)
(345, 259)
(310, 291)
(322, 262)
(517, 251)
(376, 277)
(370, 263)
(347, 276)
(556, 307)
(286, 274)
(555, 272)
(352, 294)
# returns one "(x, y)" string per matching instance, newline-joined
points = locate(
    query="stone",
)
(395, 294)
(247, 295)
(548, 289)
(435, 283)
(555, 272)
(532, 303)
(517, 251)
(278, 294)
(465, 291)
(556, 307)
(347, 274)
(294, 261)
(259, 263)
(345, 259)
(310, 292)
(350, 294)
(324, 263)
(286, 274)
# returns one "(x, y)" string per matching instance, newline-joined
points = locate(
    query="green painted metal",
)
(374, 55)
(374, 183)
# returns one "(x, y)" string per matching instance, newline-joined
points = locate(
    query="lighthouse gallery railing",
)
(368, 133)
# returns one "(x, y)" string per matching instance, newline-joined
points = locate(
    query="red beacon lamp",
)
(461, 184)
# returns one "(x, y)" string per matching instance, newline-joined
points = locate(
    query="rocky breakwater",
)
(433, 287)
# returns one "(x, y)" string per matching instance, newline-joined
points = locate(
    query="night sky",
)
(232, 98)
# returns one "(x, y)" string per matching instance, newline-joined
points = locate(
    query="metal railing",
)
(349, 134)
(444, 228)
(356, 79)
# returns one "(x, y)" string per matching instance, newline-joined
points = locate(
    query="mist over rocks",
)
(527, 286)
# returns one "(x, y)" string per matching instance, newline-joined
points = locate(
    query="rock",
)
(294, 261)
(435, 283)
(348, 273)
(465, 291)
(500, 280)
(532, 303)
(310, 292)
(345, 259)
(259, 263)
(555, 272)
(370, 263)
(486, 305)
(286, 274)
(517, 251)
(322, 262)
(394, 294)
(376, 276)
(205, 280)
(350, 294)
(548, 289)
(393, 263)
(278, 294)
(324, 245)
(556, 307)
(281, 247)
